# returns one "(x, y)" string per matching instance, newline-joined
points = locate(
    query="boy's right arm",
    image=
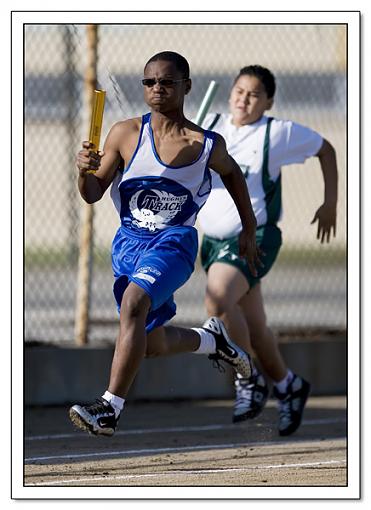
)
(104, 164)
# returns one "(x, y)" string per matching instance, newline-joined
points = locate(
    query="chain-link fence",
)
(306, 288)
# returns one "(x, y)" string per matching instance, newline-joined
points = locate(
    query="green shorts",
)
(268, 238)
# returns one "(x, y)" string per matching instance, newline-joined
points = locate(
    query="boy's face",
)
(248, 100)
(163, 98)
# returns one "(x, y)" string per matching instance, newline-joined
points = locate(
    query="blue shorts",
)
(159, 264)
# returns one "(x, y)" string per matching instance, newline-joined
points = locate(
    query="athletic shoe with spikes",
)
(291, 405)
(98, 418)
(251, 397)
(226, 350)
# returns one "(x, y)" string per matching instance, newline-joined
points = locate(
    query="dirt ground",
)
(188, 443)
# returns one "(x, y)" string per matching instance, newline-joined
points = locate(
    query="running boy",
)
(158, 166)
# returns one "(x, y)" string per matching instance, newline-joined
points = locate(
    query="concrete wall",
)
(63, 375)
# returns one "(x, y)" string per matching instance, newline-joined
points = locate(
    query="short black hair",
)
(265, 76)
(171, 56)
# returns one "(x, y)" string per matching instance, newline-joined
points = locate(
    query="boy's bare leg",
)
(131, 343)
(229, 297)
(226, 285)
(167, 340)
(263, 341)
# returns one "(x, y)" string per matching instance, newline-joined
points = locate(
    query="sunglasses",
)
(164, 82)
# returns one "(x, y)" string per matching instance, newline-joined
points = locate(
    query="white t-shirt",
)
(288, 143)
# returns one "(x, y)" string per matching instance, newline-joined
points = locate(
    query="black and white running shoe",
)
(291, 405)
(226, 350)
(251, 397)
(98, 418)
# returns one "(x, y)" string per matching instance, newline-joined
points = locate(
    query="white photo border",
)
(352, 19)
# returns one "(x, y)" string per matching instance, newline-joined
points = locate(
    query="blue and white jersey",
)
(151, 196)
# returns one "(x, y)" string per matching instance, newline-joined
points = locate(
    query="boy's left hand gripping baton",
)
(96, 121)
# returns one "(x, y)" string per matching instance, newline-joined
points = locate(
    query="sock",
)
(207, 342)
(116, 402)
(283, 384)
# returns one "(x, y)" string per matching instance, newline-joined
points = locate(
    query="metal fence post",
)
(86, 235)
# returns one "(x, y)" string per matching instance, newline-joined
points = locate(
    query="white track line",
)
(189, 472)
(131, 432)
(200, 428)
(156, 451)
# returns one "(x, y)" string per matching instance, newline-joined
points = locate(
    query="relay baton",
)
(96, 121)
(206, 102)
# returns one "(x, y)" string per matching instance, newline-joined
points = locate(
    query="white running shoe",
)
(251, 397)
(98, 418)
(291, 405)
(226, 350)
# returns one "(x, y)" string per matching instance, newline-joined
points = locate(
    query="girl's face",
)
(248, 100)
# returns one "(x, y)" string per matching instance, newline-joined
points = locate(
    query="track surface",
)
(189, 443)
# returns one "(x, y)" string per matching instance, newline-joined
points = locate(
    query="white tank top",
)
(151, 196)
